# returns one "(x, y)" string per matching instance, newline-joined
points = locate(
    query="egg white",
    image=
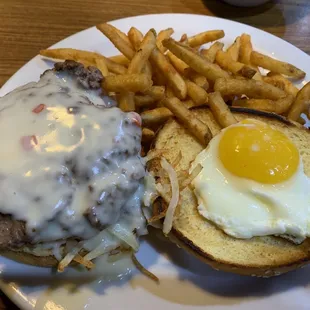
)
(244, 208)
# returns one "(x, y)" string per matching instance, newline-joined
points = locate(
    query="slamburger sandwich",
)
(72, 181)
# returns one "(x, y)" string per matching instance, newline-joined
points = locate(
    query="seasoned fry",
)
(220, 110)
(78, 55)
(144, 101)
(227, 63)
(147, 135)
(233, 50)
(115, 67)
(142, 55)
(178, 64)
(276, 66)
(250, 88)
(205, 37)
(127, 82)
(122, 45)
(184, 38)
(173, 78)
(245, 49)
(199, 129)
(169, 92)
(301, 103)
(135, 36)
(209, 70)
(189, 104)
(102, 66)
(162, 35)
(155, 117)
(211, 52)
(281, 82)
(126, 101)
(197, 78)
(279, 106)
(120, 59)
(120, 33)
(156, 92)
(196, 93)
(158, 77)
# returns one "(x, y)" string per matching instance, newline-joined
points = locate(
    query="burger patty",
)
(12, 232)
(72, 165)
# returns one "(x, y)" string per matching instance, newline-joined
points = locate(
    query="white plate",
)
(185, 282)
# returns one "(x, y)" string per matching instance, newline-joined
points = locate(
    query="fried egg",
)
(252, 183)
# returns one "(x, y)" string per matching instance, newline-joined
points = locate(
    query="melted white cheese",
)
(69, 166)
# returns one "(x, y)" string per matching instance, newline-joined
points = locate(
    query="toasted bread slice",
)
(259, 256)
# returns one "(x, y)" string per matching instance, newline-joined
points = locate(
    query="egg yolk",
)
(255, 151)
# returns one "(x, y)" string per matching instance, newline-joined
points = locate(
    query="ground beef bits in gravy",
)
(70, 163)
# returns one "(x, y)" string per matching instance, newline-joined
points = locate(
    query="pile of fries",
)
(160, 77)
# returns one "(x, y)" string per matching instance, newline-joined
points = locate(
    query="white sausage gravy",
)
(70, 164)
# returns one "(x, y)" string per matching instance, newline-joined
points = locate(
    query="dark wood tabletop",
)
(28, 26)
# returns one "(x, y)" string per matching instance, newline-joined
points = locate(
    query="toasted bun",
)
(44, 259)
(31, 259)
(259, 256)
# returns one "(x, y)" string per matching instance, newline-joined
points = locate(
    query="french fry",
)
(211, 52)
(245, 49)
(205, 37)
(279, 106)
(250, 88)
(162, 35)
(172, 77)
(126, 101)
(196, 93)
(220, 110)
(198, 129)
(147, 135)
(102, 66)
(169, 92)
(197, 78)
(178, 64)
(143, 53)
(120, 33)
(127, 83)
(233, 50)
(155, 117)
(281, 82)
(144, 101)
(120, 59)
(184, 38)
(78, 55)
(301, 103)
(276, 66)
(115, 67)
(158, 77)
(135, 36)
(189, 104)
(199, 64)
(118, 41)
(156, 92)
(224, 60)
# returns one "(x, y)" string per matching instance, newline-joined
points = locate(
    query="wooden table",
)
(29, 25)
